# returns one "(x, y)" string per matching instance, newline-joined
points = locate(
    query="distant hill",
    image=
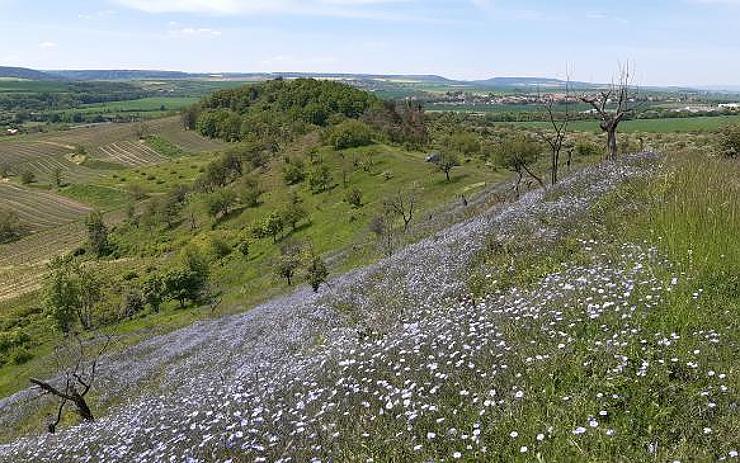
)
(527, 82)
(25, 73)
(118, 74)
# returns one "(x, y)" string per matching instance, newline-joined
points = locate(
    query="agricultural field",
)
(667, 125)
(39, 209)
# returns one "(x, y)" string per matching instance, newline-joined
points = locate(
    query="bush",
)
(349, 134)
(320, 179)
(729, 141)
(27, 177)
(294, 171)
(10, 226)
(353, 197)
(20, 356)
(132, 303)
(587, 149)
(220, 247)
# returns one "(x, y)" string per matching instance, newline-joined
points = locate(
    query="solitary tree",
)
(517, 155)
(97, 234)
(403, 205)
(556, 133)
(446, 162)
(78, 361)
(613, 105)
(316, 271)
(10, 226)
(72, 291)
(289, 261)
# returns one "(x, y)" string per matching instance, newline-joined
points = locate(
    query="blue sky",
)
(669, 41)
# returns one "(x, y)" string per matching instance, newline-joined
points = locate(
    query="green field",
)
(671, 125)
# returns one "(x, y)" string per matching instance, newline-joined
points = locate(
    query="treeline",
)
(278, 110)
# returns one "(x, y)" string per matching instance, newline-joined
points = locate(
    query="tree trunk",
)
(447, 174)
(611, 134)
(554, 167)
(82, 407)
(531, 174)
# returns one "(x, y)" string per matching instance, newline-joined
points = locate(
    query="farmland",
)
(667, 125)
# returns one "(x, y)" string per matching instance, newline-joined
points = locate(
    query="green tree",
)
(316, 271)
(446, 162)
(57, 177)
(219, 202)
(249, 191)
(97, 234)
(320, 179)
(10, 226)
(72, 290)
(27, 177)
(189, 280)
(273, 225)
(153, 291)
(294, 171)
(289, 261)
(349, 134)
(294, 213)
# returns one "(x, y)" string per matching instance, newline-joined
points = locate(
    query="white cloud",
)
(348, 8)
(47, 45)
(194, 31)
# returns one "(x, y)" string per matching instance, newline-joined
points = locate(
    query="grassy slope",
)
(334, 226)
(672, 395)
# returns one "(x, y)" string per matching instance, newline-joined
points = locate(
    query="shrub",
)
(10, 226)
(354, 197)
(349, 134)
(20, 356)
(27, 177)
(729, 141)
(220, 247)
(294, 171)
(132, 303)
(320, 179)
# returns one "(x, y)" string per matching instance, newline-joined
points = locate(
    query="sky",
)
(668, 42)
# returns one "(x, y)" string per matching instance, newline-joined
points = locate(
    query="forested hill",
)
(279, 108)
(25, 73)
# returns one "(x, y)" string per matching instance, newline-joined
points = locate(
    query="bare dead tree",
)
(555, 135)
(403, 204)
(78, 363)
(613, 105)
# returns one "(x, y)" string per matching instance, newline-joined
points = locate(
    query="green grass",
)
(691, 215)
(151, 104)
(164, 146)
(100, 197)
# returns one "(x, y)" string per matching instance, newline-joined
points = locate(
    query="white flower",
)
(431, 435)
(593, 423)
(540, 437)
(579, 430)
(523, 449)
(456, 455)
(519, 394)
(733, 453)
(707, 430)
(514, 434)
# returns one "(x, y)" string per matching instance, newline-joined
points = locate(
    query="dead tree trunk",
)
(70, 394)
(79, 377)
(612, 106)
